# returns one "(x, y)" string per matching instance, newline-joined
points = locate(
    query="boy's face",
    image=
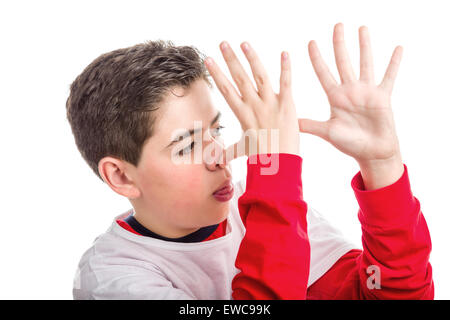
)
(176, 187)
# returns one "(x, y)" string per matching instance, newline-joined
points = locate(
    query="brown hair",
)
(110, 104)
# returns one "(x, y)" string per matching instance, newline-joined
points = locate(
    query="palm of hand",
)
(361, 121)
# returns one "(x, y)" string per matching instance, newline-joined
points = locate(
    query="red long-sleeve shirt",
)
(274, 253)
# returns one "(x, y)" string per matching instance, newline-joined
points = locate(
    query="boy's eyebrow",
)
(192, 131)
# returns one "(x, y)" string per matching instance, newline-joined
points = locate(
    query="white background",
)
(53, 206)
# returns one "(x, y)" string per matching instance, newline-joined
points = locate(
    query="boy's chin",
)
(223, 208)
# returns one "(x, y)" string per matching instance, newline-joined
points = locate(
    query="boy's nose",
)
(217, 154)
(220, 165)
(217, 161)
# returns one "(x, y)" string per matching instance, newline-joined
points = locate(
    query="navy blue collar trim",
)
(197, 236)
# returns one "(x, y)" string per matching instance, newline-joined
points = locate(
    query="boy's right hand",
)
(257, 110)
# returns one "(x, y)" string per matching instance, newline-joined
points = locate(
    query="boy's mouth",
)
(224, 192)
(225, 186)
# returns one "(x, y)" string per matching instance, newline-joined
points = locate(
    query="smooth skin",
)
(361, 122)
(257, 109)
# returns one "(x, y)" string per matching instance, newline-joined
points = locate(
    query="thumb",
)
(317, 128)
(232, 152)
(238, 149)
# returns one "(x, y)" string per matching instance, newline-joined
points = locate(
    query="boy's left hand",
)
(361, 123)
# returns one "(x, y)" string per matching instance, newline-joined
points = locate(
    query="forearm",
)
(394, 262)
(396, 241)
(274, 254)
(381, 173)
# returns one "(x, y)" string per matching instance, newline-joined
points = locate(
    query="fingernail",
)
(224, 45)
(285, 55)
(245, 47)
(208, 61)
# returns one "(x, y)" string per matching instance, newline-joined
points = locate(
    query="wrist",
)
(379, 173)
(271, 141)
(275, 175)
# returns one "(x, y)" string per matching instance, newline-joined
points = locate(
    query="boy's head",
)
(126, 108)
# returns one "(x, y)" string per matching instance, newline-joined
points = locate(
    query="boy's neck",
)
(161, 230)
(198, 236)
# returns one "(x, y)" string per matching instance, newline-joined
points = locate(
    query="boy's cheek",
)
(186, 208)
(186, 178)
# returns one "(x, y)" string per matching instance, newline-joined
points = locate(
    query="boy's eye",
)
(186, 150)
(216, 131)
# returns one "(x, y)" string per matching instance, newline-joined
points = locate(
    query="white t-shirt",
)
(124, 265)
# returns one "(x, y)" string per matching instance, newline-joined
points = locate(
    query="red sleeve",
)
(274, 254)
(394, 262)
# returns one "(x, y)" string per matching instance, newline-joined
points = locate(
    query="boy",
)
(185, 237)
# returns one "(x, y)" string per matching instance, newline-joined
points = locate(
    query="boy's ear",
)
(114, 172)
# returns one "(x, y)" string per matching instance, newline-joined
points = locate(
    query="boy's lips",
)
(224, 188)
(225, 192)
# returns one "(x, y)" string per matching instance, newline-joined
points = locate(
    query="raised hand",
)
(259, 108)
(361, 121)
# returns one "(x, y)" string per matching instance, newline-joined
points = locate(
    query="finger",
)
(317, 128)
(365, 54)
(392, 69)
(285, 77)
(225, 87)
(238, 73)
(323, 73)
(258, 70)
(234, 151)
(341, 55)
(219, 157)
